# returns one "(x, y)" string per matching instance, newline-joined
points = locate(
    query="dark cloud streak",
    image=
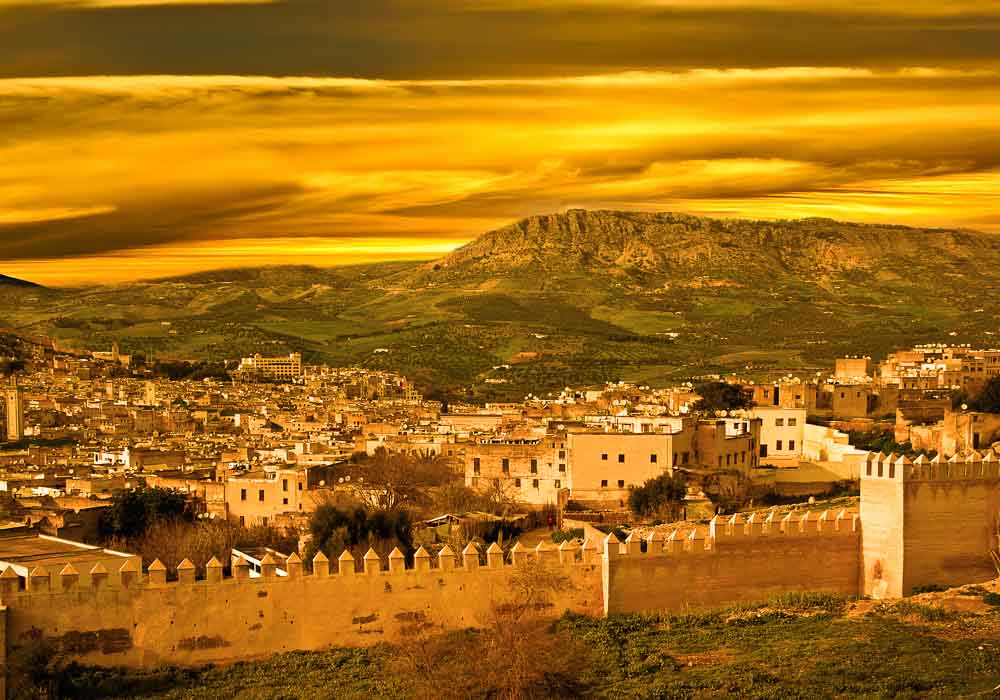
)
(434, 39)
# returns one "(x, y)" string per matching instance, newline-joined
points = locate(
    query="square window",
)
(517, 483)
(793, 422)
(562, 468)
(604, 483)
(562, 454)
(621, 483)
(779, 421)
(652, 459)
(558, 484)
(621, 459)
(604, 457)
(284, 501)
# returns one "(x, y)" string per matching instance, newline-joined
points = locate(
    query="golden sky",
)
(144, 138)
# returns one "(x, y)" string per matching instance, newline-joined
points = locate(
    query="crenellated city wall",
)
(125, 619)
(920, 523)
(733, 560)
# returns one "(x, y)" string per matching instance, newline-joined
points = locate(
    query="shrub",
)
(517, 655)
(133, 512)
(721, 396)
(662, 496)
(174, 540)
(334, 530)
(992, 599)
(560, 536)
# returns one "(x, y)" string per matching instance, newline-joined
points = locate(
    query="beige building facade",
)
(258, 497)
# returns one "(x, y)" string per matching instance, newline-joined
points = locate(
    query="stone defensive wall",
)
(928, 521)
(921, 522)
(733, 560)
(123, 618)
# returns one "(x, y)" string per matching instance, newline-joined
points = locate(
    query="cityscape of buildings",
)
(277, 442)
(268, 446)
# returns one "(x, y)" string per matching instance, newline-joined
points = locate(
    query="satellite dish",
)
(965, 407)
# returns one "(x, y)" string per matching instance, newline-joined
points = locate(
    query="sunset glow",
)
(206, 170)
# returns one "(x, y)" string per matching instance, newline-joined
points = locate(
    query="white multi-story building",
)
(283, 369)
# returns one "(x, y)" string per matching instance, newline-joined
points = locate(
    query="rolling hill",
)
(577, 297)
(6, 281)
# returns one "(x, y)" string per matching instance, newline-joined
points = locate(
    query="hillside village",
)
(116, 475)
(81, 430)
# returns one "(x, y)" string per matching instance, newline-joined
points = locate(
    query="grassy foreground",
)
(810, 646)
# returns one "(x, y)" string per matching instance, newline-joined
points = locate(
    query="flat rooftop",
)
(40, 550)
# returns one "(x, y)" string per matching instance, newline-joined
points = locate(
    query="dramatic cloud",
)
(446, 118)
(475, 38)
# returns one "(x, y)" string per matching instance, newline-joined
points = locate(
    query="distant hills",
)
(680, 247)
(570, 298)
(6, 281)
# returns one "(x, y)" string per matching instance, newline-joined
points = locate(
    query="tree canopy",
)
(133, 512)
(662, 496)
(335, 529)
(988, 400)
(721, 396)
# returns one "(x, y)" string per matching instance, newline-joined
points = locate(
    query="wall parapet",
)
(771, 526)
(892, 467)
(43, 581)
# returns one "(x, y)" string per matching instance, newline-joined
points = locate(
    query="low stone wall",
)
(733, 561)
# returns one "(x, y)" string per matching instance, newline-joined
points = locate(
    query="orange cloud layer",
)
(155, 175)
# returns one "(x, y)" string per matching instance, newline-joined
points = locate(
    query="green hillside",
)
(592, 295)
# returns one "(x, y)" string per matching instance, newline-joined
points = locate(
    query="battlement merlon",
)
(129, 577)
(898, 468)
(735, 529)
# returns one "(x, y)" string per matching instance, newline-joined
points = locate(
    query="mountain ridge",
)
(575, 298)
(667, 242)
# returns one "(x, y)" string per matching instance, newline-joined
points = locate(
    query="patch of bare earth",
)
(717, 657)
